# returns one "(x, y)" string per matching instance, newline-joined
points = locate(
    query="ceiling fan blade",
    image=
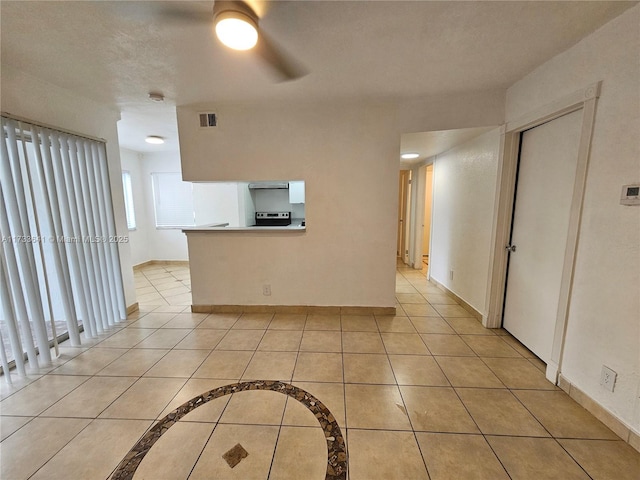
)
(285, 66)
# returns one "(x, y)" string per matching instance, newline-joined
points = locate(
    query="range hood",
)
(271, 185)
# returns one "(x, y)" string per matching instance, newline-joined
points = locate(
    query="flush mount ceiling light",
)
(409, 155)
(156, 97)
(237, 30)
(154, 139)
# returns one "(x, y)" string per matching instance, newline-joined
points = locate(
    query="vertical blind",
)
(59, 262)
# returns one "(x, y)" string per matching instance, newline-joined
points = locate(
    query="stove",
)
(273, 219)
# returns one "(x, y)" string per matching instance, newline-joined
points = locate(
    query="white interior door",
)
(546, 175)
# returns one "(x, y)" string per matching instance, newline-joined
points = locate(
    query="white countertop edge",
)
(288, 228)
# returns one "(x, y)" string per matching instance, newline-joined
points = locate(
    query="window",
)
(128, 200)
(173, 201)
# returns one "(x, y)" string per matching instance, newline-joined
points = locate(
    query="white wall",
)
(138, 238)
(604, 317)
(347, 154)
(37, 100)
(462, 217)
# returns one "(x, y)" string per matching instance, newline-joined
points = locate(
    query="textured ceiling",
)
(117, 52)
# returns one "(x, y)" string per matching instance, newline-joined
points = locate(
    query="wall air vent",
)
(208, 120)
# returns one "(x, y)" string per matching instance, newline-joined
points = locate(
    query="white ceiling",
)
(118, 52)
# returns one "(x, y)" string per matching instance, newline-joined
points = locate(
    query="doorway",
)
(544, 187)
(404, 193)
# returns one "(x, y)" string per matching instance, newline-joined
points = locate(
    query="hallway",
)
(428, 393)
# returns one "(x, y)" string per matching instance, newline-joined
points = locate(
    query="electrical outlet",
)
(266, 290)
(608, 378)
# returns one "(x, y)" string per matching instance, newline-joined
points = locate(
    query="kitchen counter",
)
(296, 226)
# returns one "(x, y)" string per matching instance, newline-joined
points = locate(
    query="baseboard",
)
(184, 263)
(462, 303)
(294, 309)
(132, 308)
(616, 425)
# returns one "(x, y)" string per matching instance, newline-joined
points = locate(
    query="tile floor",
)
(427, 393)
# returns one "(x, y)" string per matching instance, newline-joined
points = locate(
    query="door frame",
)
(585, 99)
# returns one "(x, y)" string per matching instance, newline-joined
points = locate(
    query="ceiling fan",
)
(237, 26)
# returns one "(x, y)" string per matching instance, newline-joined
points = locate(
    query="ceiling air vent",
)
(208, 120)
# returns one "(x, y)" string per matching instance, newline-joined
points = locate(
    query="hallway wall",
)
(462, 217)
(603, 325)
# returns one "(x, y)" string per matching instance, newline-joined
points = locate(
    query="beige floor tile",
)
(455, 457)
(178, 363)
(153, 320)
(258, 441)
(604, 459)
(519, 373)
(367, 368)
(182, 299)
(321, 341)
(176, 452)
(468, 372)
(318, 367)
(535, 459)
(362, 342)
(271, 366)
(282, 321)
(323, 322)
(404, 343)
(202, 339)
(40, 395)
(375, 407)
(359, 323)
(406, 288)
(439, 299)
(489, 346)
(177, 289)
(134, 363)
(437, 409)
(395, 324)
(241, 340)
(90, 362)
(425, 288)
(220, 321)
(384, 454)
(431, 325)
(330, 394)
(417, 370)
(255, 407)
(9, 425)
(90, 398)
(172, 309)
(127, 338)
(24, 452)
(251, 321)
(405, 298)
(539, 364)
(95, 452)
(417, 310)
(224, 364)
(144, 289)
(301, 452)
(498, 412)
(145, 399)
(185, 320)
(280, 341)
(164, 338)
(468, 326)
(440, 344)
(517, 346)
(151, 299)
(451, 311)
(562, 416)
(210, 411)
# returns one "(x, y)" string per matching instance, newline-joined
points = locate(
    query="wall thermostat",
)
(630, 195)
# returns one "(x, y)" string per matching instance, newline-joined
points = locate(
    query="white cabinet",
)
(296, 192)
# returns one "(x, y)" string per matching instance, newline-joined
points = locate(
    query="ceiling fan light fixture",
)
(154, 140)
(236, 30)
(409, 155)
